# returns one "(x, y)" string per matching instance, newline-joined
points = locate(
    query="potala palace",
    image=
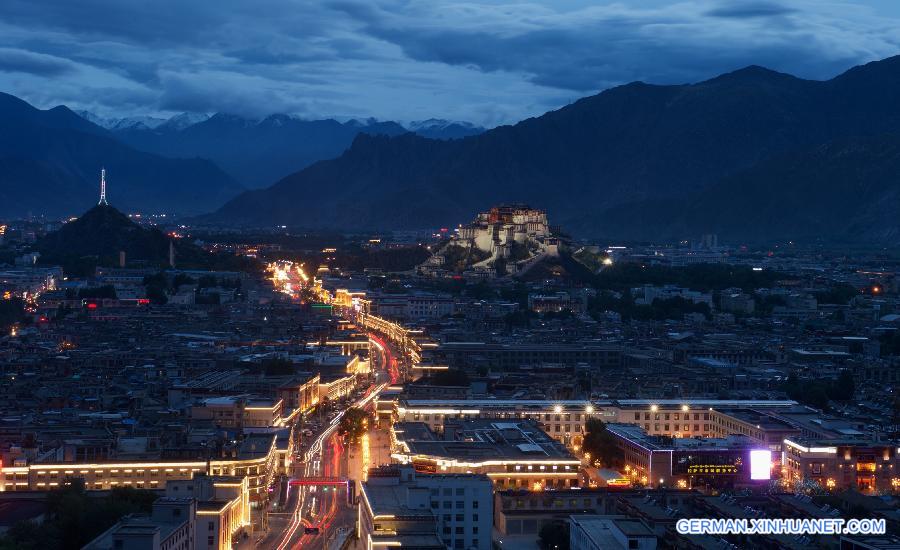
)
(506, 240)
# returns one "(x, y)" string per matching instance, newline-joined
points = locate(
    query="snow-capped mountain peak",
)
(124, 123)
(184, 120)
(438, 123)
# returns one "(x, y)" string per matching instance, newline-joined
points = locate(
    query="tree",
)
(24, 535)
(601, 444)
(624, 275)
(74, 518)
(450, 377)
(157, 279)
(480, 291)
(818, 392)
(890, 344)
(561, 314)
(843, 388)
(354, 424)
(554, 536)
(157, 295)
(840, 294)
(11, 312)
(209, 299)
(517, 294)
(816, 396)
(156, 286)
(519, 318)
(99, 292)
(61, 311)
(275, 366)
(207, 281)
(500, 267)
(182, 279)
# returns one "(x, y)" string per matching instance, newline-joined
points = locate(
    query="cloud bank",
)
(487, 61)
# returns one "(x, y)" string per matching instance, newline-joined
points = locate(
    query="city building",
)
(512, 453)
(238, 412)
(171, 525)
(575, 302)
(223, 508)
(565, 420)
(733, 461)
(517, 235)
(300, 393)
(402, 507)
(609, 533)
(522, 513)
(864, 465)
(506, 356)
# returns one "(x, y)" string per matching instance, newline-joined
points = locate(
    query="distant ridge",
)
(50, 162)
(260, 152)
(846, 189)
(636, 142)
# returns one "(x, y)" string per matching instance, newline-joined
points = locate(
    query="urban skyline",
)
(659, 310)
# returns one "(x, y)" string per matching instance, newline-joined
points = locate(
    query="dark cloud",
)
(22, 61)
(601, 46)
(750, 9)
(224, 93)
(489, 61)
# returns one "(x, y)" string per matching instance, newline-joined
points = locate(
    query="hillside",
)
(846, 189)
(50, 164)
(626, 144)
(98, 235)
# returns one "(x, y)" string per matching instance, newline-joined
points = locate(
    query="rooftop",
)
(481, 440)
(601, 530)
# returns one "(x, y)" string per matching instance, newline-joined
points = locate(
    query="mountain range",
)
(50, 163)
(258, 153)
(753, 142)
(846, 190)
(188, 164)
(752, 155)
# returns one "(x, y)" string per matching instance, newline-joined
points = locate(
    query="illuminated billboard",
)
(719, 462)
(760, 464)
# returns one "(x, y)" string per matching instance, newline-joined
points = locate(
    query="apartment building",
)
(171, 525)
(402, 507)
(865, 465)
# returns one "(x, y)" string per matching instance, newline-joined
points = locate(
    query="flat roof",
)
(391, 499)
(481, 440)
(583, 403)
(600, 529)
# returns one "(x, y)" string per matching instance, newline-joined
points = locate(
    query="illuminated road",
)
(386, 360)
(321, 507)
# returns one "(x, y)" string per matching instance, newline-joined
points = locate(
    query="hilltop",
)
(98, 236)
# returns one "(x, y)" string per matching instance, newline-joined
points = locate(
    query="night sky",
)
(489, 62)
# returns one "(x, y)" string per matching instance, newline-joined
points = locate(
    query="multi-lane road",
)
(316, 513)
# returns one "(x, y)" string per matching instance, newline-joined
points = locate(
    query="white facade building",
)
(609, 533)
(402, 507)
